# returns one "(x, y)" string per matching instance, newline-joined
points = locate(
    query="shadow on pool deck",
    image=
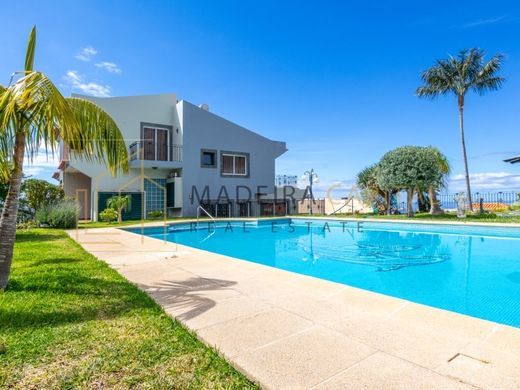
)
(188, 298)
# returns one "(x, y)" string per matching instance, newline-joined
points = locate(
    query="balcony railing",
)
(140, 150)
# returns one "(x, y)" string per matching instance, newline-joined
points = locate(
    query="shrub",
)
(108, 215)
(26, 225)
(62, 215)
(156, 214)
(42, 215)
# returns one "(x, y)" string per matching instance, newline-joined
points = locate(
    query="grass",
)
(100, 224)
(488, 217)
(67, 320)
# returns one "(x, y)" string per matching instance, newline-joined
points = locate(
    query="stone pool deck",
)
(287, 331)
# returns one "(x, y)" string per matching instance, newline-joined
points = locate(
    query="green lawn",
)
(428, 217)
(100, 224)
(69, 321)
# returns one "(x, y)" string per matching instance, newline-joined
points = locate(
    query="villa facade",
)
(180, 156)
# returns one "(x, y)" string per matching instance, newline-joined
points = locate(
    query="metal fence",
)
(489, 199)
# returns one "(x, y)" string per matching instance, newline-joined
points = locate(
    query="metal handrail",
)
(208, 214)
(136, 151)
(345, 205)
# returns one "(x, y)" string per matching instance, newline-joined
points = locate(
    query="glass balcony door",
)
(161, 136)
(155, 144)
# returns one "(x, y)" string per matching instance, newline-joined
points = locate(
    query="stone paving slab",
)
(288, 331)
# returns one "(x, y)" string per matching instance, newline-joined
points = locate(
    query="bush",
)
(26, 225)
(108, 215)
(62, 215)
(156, 214)
(42, 215)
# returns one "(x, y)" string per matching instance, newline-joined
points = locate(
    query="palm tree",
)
(367, 181)
(445, 169)
(119, 203)
(34, 113)
(467, 72)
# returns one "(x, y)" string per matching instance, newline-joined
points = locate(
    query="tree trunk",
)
(120, 215)
(464, 155)
(10, 211)
(435, 208)
(409, 202)
(421, 201)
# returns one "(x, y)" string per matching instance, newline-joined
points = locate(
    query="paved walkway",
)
(289, 331)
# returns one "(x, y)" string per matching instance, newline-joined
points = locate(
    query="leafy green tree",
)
(408, 168)
(41, 193)
(459, 75)
(119, 203)
(33, 112)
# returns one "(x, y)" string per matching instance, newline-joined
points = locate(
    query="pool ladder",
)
(205, 212)
(210, 216)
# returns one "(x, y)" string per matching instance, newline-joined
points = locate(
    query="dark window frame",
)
(214, 152)
(247, 157)
(169, 140)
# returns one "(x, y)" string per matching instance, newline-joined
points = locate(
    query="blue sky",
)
(335, 80)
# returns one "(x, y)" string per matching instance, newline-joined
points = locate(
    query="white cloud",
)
(110, 67)
(77, 81)
(42, 165)
(484, 22)
(86, 53)
(486, 181)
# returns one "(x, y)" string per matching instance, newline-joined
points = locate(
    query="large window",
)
(234, 164)
(155, 143)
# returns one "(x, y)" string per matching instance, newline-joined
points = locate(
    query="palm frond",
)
(467, 71)
(438, 80)
(486, 78)
(99, 137)
(31, 47)
(40, 110)
(8, 122)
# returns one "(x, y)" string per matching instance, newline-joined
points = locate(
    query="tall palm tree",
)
(34, 113)
(459, 75)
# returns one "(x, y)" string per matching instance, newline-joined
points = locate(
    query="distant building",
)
(286, 180)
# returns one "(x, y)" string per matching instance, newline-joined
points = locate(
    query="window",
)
(208, 158)
(155, 141)
(234, 164)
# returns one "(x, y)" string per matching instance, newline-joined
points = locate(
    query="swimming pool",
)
(472, 270)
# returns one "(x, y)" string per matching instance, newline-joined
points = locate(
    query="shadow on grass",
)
(52, 300)
(28, 236)
(55, 261)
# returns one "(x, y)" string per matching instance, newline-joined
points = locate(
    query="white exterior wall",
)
(205, 130)
(194, 129)
(129, 113)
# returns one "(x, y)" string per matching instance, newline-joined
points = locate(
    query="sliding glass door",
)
(155, 144)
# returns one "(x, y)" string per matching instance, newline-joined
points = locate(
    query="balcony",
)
(64, 155)
(148, 154)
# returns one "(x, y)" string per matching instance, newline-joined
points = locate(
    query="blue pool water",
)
(466, 269)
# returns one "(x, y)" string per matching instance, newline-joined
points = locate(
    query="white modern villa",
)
(181, 156)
